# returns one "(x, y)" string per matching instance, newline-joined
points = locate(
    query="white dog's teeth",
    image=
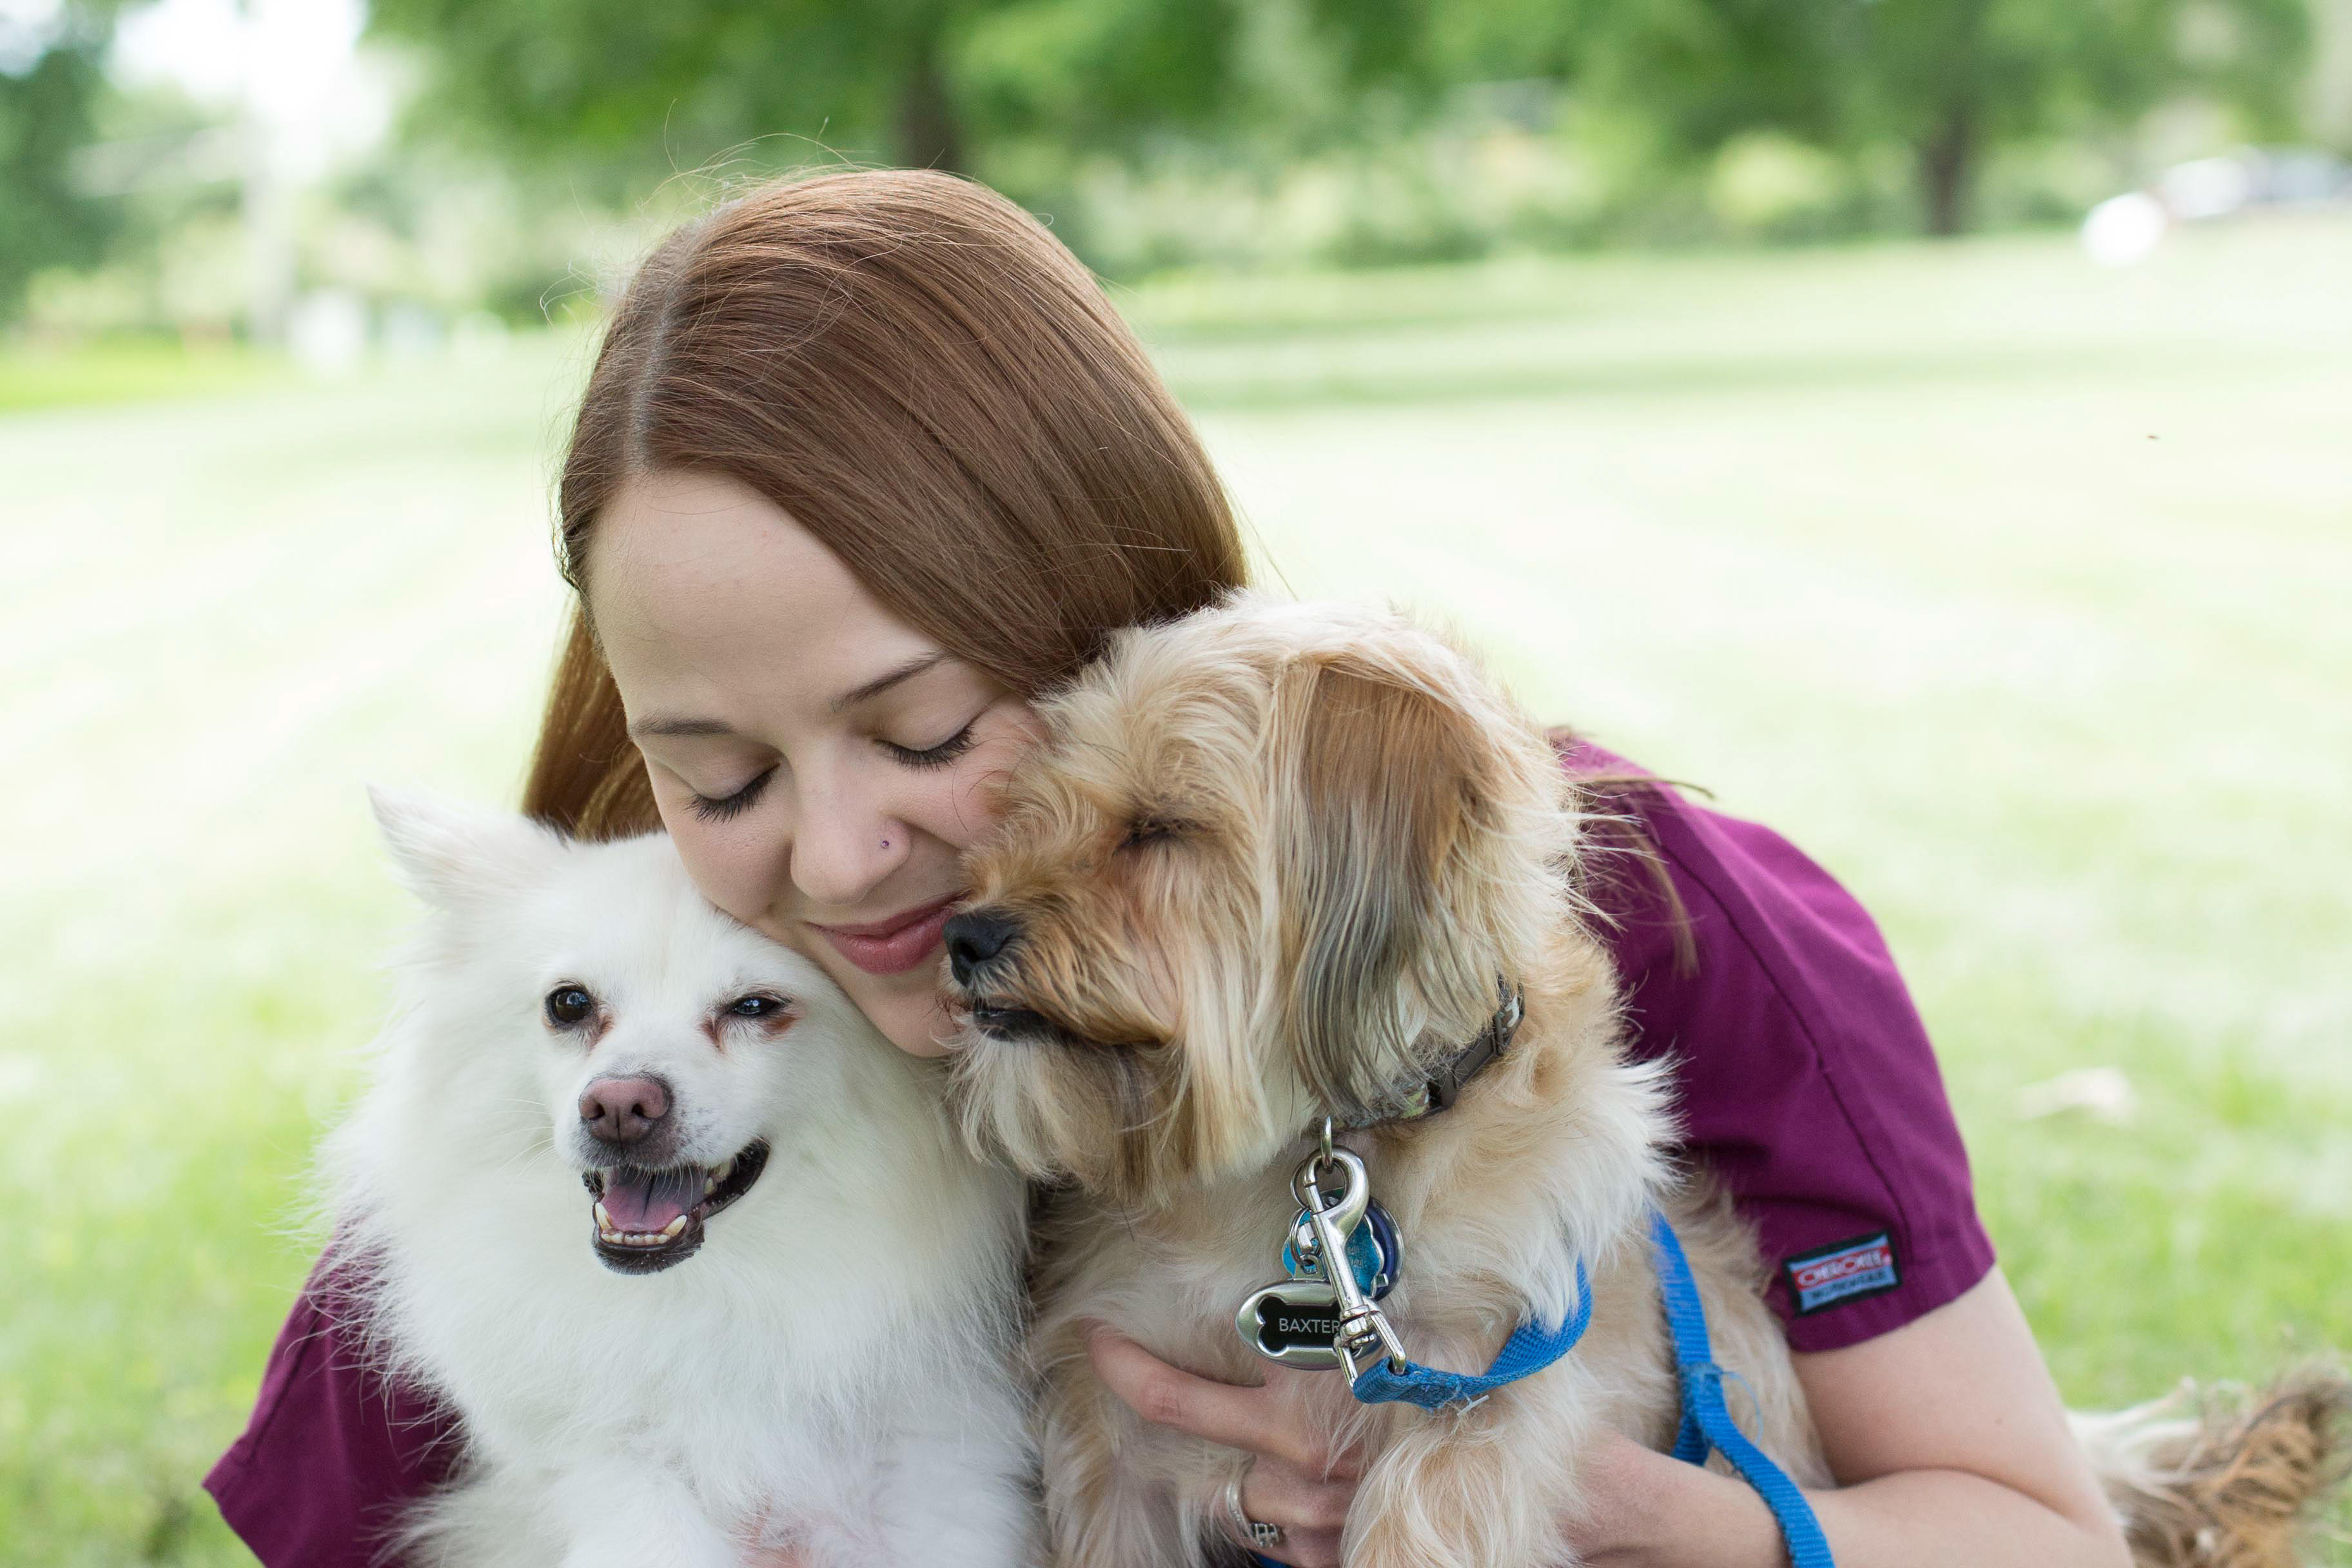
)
(722, 1172)
(604, 1221)
(710, 1185)
(673, 1227)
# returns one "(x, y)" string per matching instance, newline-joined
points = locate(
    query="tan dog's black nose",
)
(623, 1111)
(975, 937)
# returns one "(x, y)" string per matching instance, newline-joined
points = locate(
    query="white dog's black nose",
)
(975, 937)
(623, 1111)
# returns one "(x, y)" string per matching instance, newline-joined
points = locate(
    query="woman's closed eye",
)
(721, 807)
(937, 756)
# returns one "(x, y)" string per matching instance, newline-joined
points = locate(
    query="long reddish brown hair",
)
(931, 384)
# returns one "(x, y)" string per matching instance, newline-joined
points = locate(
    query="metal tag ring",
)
(1356, 1190)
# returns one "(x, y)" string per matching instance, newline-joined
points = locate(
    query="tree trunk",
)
(1948, 169)
(929, 134)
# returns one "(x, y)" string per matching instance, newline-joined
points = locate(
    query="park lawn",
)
(2011, 589)
(130, 370)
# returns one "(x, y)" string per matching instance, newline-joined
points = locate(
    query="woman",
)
(866, 462)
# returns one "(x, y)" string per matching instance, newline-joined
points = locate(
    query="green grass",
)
(130, 370)
(2011, 589)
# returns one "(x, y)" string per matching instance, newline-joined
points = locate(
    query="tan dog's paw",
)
(1452, 1493)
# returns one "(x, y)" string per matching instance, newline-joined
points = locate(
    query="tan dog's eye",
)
(1152, 830)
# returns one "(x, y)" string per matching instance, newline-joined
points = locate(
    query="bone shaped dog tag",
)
(1295, 1322)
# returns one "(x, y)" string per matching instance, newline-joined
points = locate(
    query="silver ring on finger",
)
(1252, 1531)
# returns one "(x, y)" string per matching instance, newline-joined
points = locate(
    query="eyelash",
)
(725, 806)
(735, 804)
(937, 756)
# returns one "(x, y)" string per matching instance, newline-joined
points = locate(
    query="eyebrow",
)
(872, 688)
(888, 678)
(680, 727)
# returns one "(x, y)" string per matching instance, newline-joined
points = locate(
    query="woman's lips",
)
(895, 945)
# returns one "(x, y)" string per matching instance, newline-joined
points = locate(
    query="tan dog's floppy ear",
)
(1386, 780)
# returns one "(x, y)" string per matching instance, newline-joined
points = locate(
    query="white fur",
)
(830, 1370)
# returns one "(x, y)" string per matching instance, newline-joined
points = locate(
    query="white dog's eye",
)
(568, 1005)
(757, 1007)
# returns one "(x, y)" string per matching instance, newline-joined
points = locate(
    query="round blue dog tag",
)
(1374, 1253)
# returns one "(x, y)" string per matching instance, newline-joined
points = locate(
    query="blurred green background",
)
(1922, 424)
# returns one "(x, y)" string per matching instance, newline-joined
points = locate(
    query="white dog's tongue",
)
(646, 1201)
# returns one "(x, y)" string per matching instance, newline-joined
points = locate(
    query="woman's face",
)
(819, 763)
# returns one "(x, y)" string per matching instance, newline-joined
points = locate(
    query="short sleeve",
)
(333, 1451)
(1806, 1080)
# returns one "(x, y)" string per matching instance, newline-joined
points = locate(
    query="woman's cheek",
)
(975, 804)
(722, 873)
(907, 1009)
(918, 1026)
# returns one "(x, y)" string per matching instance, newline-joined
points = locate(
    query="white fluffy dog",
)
(782, 1314)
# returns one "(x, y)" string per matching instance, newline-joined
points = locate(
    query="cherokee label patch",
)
(1845, 1271)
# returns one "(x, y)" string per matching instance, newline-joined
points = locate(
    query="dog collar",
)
(1440, 1088)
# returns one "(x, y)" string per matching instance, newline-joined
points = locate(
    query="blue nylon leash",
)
(1531, 1348)
(1706, 1424)
(1706, 1421)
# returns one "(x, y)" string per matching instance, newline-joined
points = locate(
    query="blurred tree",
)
(636, 83)
(1101, 74)
(913, 81)
(619, 93)
(1947, 80)
(49, 83)
(616, 93)
(1952, 78)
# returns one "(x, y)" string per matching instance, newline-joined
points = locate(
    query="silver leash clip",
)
(1320, 1317)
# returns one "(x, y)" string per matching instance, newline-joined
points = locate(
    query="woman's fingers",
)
(1281, 1494)
(1292, 1479)
(1224, 1412)
(1293, 1482)
(1311, 1512)
(1258, 1420)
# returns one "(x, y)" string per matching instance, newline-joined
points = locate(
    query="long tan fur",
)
(1269, 865)
(2225, 1478)
(1270, 862)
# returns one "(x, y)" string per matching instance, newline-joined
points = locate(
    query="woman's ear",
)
(1383, 779)
(455, 856)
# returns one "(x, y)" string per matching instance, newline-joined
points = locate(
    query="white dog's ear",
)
(455, 856)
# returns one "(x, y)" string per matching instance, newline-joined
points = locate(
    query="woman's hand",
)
(1293, 1480)
(1949, 1443)
(1294, 1483)
(1945, 1436)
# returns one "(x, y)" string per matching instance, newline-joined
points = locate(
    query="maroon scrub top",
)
(1807, 1085)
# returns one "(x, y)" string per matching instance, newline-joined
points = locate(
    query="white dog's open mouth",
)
(648, 1220)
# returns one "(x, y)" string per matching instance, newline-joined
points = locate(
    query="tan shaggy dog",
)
(1269, 866)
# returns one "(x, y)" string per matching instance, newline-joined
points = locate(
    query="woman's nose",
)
(841, 852)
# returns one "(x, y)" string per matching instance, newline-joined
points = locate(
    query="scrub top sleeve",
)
(1806, 1080)
(333, 1452)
